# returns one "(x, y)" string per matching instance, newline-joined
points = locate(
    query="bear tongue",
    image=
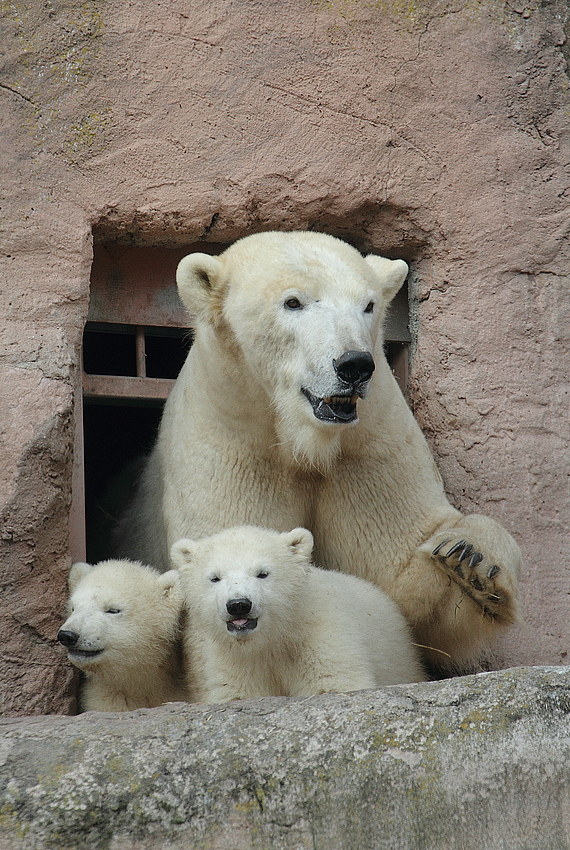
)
(242, 625)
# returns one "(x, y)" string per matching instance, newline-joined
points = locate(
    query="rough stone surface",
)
(482, 761)
(434, 131)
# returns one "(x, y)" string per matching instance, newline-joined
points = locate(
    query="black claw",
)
(456, 548)
(476, 558)
(441, 545)
(477, 584)
(466, 551)
(492, 571)
(459, 571)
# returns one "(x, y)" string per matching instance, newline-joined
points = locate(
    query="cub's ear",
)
(76, 573)
(182, 553)
(199, 280)
(390, 273)
(300, 541)
(169, 583)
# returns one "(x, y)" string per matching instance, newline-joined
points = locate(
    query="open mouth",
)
(334, 408)
(242, 625)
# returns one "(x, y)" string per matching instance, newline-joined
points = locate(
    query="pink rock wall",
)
(434, 131)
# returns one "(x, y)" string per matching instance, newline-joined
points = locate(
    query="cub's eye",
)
(369, 307)
(112, 611)
(262, 574)
(214, 579)
(293, 304)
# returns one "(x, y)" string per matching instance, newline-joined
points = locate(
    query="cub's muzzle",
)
(67, 637)
(239, 609)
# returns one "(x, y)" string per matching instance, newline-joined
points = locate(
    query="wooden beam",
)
(118, 386)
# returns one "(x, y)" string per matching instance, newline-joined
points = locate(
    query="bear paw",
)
(480, 577)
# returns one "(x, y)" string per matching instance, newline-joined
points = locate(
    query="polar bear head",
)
(293, 320)
(119, 613)
(245, 581)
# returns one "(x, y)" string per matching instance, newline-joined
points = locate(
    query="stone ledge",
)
(476, 762)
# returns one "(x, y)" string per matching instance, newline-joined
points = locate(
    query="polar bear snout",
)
(79, 650)
(355, 367)
(67, 638)
(239, 610)
(239, 607)
(353, 371)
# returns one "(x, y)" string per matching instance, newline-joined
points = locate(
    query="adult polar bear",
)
(286, 414)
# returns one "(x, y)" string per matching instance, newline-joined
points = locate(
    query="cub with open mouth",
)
(264, 622)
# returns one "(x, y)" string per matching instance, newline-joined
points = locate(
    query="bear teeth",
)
(337, 409)
(340, 399)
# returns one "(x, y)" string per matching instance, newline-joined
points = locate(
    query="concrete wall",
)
(433, 131)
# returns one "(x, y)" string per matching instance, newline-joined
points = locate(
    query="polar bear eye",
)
(262, 574)
(112, 611)
(369, 307)
(215, 579)
(293, 304)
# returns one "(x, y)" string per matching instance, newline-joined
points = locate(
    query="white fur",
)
(317, 631)
(129, 615)
(239, 442)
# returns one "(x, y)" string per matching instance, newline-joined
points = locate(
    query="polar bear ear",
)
(300, 541)
(169, 582)
(182, 552)
(390, 273)
(76, 573)
(198, 277)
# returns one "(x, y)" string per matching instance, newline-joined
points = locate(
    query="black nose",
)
(239, 607)
(67, 638)
(354, 367)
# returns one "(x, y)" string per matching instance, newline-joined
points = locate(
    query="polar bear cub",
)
(264, 622)
(124, 633)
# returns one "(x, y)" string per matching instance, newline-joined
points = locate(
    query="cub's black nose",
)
(239, 607)
(354, 367)
(67, 638)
